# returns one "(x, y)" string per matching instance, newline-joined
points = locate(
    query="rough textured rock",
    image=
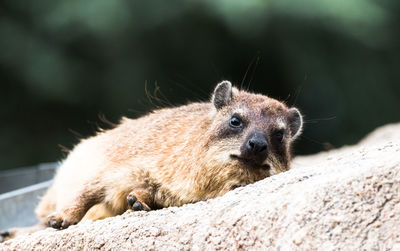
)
(341, 199)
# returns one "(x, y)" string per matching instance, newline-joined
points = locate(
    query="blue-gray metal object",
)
(22, 177)
(17, 207)
(20, 191)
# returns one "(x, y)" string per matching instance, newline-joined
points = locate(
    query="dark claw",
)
(5, 234)
(56, 224)
(137, 206)
(131, 200)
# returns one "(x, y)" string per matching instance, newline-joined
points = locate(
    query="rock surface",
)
(347, 198)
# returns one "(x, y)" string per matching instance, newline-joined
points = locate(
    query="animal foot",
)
(4, 235)
(58, 222)
(135, 204)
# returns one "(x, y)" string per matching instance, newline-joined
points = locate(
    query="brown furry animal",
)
(173, 156)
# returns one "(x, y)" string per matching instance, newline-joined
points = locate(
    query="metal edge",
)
(25, 190)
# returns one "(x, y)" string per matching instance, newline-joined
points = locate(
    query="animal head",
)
(253, 130)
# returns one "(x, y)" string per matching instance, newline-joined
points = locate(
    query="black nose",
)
(256, 147)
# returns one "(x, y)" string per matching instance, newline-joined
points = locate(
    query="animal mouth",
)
(249, 162)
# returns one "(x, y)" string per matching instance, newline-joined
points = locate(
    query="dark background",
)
(65, 65)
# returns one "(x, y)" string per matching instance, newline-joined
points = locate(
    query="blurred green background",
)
(65, 65)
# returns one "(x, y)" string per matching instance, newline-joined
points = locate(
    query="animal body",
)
(173, 156)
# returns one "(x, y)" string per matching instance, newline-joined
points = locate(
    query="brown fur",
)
(169, 157)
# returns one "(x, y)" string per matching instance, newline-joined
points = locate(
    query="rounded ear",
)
(295, 122)
(222, 95)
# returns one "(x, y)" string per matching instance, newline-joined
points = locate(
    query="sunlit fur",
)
(167, 158)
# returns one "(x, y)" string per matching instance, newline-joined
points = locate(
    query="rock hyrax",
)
(173, 156)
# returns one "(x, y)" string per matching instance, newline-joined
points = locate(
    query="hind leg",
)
(134, 192)
(141, 196)
(104, 210)
(72, 210)
(46, 206)
(137, 204)
(98, 212)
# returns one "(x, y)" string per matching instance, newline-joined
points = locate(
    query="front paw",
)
(57, 221)
(135, 204)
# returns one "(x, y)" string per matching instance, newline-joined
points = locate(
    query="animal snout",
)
(256, 147)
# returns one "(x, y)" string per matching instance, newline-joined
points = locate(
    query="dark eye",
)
(235, 122)
(278, 135)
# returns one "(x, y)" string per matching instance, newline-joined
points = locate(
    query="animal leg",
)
(72, 212)
(140, 199)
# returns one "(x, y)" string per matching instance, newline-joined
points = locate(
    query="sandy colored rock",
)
(342, 199)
